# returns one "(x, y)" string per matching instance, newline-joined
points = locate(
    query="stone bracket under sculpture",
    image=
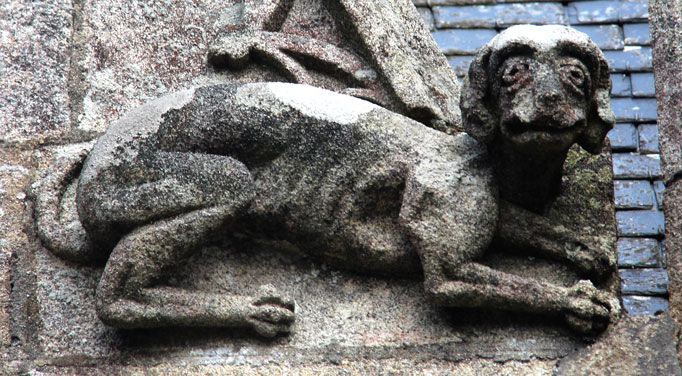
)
(354, 185)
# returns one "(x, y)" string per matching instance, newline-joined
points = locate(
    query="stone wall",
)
(69, 68)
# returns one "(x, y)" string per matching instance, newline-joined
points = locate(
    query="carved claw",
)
(590, 310)
(270, 313)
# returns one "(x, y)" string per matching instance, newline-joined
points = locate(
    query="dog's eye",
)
(575, 75)
(513, 71)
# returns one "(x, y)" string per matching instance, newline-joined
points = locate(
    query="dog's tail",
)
(57, 222)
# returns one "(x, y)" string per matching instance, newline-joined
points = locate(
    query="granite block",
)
(35, 47)
(622, 87)
(427, 16)
(645, 305)
(623, 136)
(635, 109)
(633, 194)
(631, 59)
(648, 138)
(635, 166)
(638, 253)
(607, 37)
(462, 42)
(643, 85)
(644, 281)
(640, 223)
(637, 34)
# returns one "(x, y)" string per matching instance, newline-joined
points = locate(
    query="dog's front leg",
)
(526, 230)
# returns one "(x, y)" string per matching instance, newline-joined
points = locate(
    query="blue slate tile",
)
(621, 85)
(634, 109)
(643, 85)
(648, 138)
(631, 59)
(462, 42)
(465, 16)
(645, 305)
(607, 37)
(531, 13)
(637, 34)
(659, 190)
(635, 166)
(592, 12)
(460, 64)
(631, 11)
(623, 136)
(633, 194)
(640, 223)
(501, 15)
(638, 253)
(643, 281)
(427, 16)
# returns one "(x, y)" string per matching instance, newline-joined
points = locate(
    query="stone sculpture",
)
(349, 182)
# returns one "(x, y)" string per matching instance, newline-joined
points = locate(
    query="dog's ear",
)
(600, 117)
(477, 118)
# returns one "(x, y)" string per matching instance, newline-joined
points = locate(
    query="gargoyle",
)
(348, 182)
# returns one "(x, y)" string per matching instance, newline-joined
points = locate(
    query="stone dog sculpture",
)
(350, 183)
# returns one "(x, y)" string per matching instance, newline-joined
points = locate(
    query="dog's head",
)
(542, 88)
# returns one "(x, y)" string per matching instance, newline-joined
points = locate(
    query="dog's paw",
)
(591, 258)
(270, 313)
(589, 310)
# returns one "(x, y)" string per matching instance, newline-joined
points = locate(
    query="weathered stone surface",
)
(637, 345)
(644, 281)
(630, 59)
(640, 223)
(15, 168)
(427, 16)
(637, 34)
(34, 70)
(645, 305)
(623, 136)
(634, 166)
(666, 18)
(648, 138)
(643, 85)
(607, 37)
(344, 367)
(638, 253)
(622, 87)
(633, 194)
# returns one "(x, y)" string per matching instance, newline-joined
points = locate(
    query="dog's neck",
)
(531, 181)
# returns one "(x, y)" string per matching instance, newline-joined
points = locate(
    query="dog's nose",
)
(549, 97)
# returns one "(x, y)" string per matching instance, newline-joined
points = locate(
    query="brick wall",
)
(620, 28)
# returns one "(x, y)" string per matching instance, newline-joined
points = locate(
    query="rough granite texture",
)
(349, 324)
(666, 16)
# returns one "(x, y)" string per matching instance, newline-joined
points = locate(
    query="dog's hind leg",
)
(128, 295)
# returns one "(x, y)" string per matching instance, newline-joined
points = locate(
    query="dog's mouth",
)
(549, 126)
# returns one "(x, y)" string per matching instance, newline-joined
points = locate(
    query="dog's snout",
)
(549, 97)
